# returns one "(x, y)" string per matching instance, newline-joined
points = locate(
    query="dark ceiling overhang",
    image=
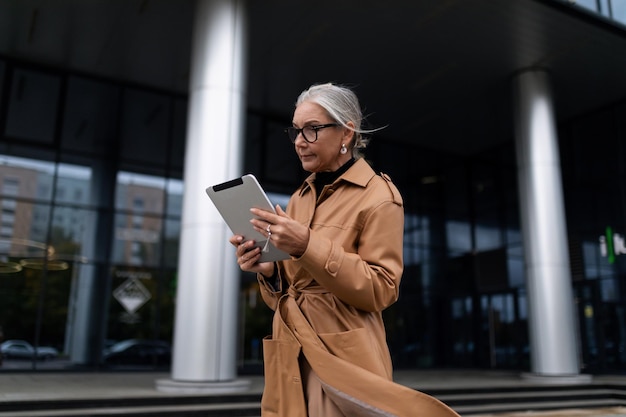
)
(438, 73)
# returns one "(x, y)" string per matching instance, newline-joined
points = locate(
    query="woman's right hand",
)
(248, 256)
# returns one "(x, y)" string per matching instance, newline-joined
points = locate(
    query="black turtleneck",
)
(325, 178)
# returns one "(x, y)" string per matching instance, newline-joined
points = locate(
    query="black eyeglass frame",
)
(293, 132)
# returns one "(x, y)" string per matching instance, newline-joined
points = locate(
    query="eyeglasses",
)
(309, 133)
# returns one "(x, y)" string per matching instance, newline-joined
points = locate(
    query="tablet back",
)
(234, 199)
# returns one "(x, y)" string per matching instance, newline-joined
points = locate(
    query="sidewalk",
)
(595, 412)
(26, 386)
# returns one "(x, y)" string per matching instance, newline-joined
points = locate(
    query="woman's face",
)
(323, 154)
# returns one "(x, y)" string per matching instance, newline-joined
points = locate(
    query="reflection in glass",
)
(137, 239)
(171, 243)
(22, 315)
(140, 193)
(416, 239)
(588, 4)
(138, 228)
(515, 269)
(487, 237)
(619, 11)
(458, 236)
(26, 178)
(174, 197)
(73, 184)
(72, 232)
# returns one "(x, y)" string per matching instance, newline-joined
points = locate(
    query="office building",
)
(505, 132)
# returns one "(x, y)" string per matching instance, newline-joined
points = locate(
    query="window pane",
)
(33, 106)
(73, 184)
(459, 238)
(145, 127)
(604, 8)
(140, 193)
(72, 233)
(179, 138)
(132, 314)
(171, 243)
(416, 238)
(172, 223)
(25, 178)
(137, 240)
(174, 198)
(19, 243)
(515, 268)
(137, 233)
(619, 11)
(487, 231)
(2, 72)
(588, 4)
(19, 305)
(90, 117)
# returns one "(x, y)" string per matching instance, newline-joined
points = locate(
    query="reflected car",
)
(138, 352)
(21, 349)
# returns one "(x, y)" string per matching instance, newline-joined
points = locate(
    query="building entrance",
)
(602, 327)
(488, 331)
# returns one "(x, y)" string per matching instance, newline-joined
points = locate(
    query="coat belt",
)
(295, 292)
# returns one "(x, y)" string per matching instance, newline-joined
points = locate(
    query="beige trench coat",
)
(329, 302)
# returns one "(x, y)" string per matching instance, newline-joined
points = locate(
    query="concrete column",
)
(552, 331)
(205, 329)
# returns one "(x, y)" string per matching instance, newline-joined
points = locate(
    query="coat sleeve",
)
(368, 279)
(271, 288)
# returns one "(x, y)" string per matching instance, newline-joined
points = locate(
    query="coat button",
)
(333, 267)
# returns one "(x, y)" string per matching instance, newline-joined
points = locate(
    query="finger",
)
(244, 247)
(250, 257)
(263, 215)
(280, 211)
(235, 240)
(261, 228)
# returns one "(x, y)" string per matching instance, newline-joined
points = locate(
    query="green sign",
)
(612, 245)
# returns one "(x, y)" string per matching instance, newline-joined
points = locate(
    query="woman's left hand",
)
(285, 233)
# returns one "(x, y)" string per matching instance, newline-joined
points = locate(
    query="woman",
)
(343, 229)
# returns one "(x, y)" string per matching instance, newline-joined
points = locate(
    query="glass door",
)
(601, 322)
(504, 331)
(488, 331)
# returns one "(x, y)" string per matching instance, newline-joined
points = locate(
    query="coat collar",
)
(358, 174)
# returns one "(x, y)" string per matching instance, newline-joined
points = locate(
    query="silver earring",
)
(343, 150)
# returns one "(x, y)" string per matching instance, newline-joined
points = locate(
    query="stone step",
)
(465, 401)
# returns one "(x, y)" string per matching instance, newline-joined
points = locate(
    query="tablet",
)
(234, 199)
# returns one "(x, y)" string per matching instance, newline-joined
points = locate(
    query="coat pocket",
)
(283, 394)
(355, 346)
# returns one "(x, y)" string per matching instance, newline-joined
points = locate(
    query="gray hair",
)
(343, 106)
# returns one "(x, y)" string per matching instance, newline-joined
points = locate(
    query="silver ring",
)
(268, 229)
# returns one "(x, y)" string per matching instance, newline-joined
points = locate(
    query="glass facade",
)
(91, 194)
(611, 9)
